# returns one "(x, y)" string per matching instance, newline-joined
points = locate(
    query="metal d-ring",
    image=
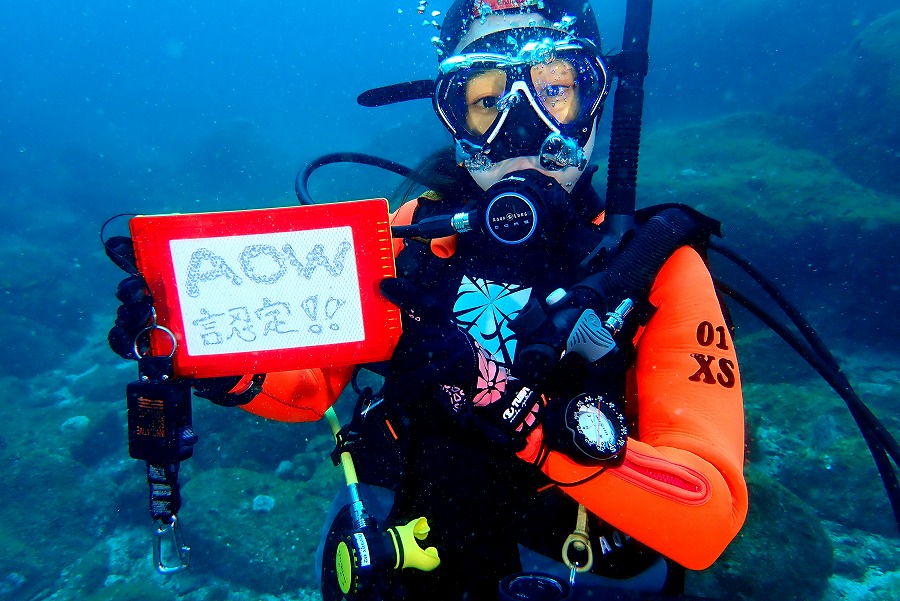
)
(154, 326)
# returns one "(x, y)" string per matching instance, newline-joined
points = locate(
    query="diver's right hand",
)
(132, 318)
(131, 330)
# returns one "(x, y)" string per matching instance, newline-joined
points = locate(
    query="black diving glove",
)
(588, 424)
(221, 390)
(134, 318)
(436, 355)
(135, 313)
(432, 350)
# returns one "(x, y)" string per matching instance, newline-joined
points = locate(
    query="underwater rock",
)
(119, 565)
(862, 552)
(263, 504)
(781, 553)
(793, 184)
(42, 302)
(103, 438)
(11, 584)
(18, 333)
(74, 505)
(875, 586)
(75, 424)
(241, 439)
(271, 552)
(825, 433)
(285, 469)
(820, 236)
(850, 106)
(763, 358)
(842, 484)
(131, 591)
(805, 437)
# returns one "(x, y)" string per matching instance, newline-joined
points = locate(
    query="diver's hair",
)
(440, 172)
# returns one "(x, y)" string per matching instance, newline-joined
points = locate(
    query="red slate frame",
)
(368, 220)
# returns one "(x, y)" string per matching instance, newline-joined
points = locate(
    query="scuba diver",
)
(561, 371)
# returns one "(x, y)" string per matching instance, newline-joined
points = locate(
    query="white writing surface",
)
(266, 292)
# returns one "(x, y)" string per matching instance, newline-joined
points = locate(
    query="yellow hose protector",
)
(406, 546)
(333, 421)
(349, 469)
(346, 461)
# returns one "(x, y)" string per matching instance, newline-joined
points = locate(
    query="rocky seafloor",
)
(73, 521)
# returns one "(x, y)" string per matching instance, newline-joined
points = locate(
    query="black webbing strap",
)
(165, 493)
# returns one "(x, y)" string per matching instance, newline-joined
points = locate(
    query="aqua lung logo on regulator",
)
(511, 218)
(526, 205)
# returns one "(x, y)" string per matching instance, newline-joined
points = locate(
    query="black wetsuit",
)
(482, 501)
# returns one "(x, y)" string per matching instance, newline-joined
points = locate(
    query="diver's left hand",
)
(587, 423)
(500, 409)
(228, 391)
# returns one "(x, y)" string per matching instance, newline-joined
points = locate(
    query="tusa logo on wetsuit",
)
(519, 403)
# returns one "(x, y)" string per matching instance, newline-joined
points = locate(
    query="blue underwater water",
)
(776, 117)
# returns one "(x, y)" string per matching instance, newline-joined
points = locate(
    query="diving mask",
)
(538, 94)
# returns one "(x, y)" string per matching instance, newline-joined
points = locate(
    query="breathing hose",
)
(301, 181)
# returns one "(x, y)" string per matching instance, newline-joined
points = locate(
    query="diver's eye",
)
(483, 94)
(554, 91)
(487, 102)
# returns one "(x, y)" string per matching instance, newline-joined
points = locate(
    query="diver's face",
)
(555, 85)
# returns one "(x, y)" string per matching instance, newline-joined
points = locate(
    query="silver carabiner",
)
(172, 532)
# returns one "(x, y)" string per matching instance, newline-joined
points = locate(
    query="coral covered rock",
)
(272, 551)
(782, 552)
(850, 106)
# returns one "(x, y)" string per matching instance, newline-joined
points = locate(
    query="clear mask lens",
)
(565, 86)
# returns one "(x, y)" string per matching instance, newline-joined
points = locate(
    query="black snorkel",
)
(630, 67)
